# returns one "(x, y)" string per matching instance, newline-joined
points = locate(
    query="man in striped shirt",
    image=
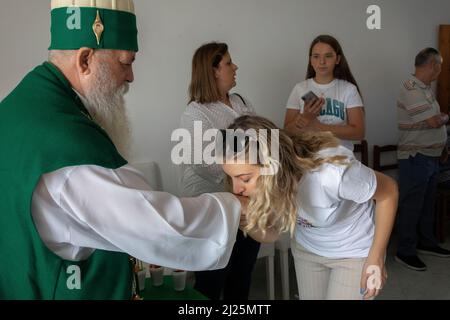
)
(422, 142)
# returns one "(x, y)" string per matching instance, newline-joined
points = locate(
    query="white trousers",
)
(321, 278)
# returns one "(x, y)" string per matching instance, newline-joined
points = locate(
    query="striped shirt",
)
(416, 104)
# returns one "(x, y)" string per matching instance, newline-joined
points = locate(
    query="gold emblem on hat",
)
(98, 27)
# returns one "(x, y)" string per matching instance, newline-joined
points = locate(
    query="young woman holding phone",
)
(338, 105)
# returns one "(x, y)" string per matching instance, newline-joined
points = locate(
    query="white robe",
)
(79, 209)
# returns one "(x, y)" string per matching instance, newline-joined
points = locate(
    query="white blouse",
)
(197, 179)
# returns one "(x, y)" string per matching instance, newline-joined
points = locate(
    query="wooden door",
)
(443, 88)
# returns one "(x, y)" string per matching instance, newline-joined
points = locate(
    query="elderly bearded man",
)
(69, 196)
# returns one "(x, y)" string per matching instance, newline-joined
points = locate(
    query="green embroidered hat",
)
(96, 24)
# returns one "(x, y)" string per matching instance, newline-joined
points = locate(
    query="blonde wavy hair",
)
(274, 203)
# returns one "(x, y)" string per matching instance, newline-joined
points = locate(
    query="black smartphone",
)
(310, 96)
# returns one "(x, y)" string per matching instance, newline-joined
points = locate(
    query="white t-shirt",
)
(340, 95)
(336, 213)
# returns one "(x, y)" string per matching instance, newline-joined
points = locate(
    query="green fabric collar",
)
(67, 87)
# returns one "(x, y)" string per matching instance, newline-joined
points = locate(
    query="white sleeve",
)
(295, 102)
(116, 210)
(354, 99)
(358, 183)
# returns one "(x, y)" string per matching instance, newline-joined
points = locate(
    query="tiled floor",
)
(403, 283)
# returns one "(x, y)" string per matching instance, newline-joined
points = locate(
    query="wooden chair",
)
(377, 158)
(363, 149)
(442, 199)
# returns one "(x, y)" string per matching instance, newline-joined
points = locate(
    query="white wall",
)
(269, 41)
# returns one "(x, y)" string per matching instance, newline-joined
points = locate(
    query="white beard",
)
(106, 104)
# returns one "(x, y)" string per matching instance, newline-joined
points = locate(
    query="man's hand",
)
(271, 234)
(244, 204)
(444, 118)
(243, 222)
(438, 120)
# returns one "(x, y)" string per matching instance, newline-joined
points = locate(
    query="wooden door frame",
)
(443, 86)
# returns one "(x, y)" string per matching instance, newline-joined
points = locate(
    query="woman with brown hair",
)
(329, 99)
(212, 106)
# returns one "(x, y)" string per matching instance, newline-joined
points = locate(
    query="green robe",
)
(44, 127)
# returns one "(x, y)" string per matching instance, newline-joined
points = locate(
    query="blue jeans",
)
(418, 186)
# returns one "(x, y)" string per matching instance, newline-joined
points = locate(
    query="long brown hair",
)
(203, 87)
(342, 70)
(274, 203)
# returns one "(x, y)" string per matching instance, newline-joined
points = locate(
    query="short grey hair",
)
(59, 56)
(426, 55)
(56, 56)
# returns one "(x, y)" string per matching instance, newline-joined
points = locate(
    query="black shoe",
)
(411, 262)
(434, 251)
